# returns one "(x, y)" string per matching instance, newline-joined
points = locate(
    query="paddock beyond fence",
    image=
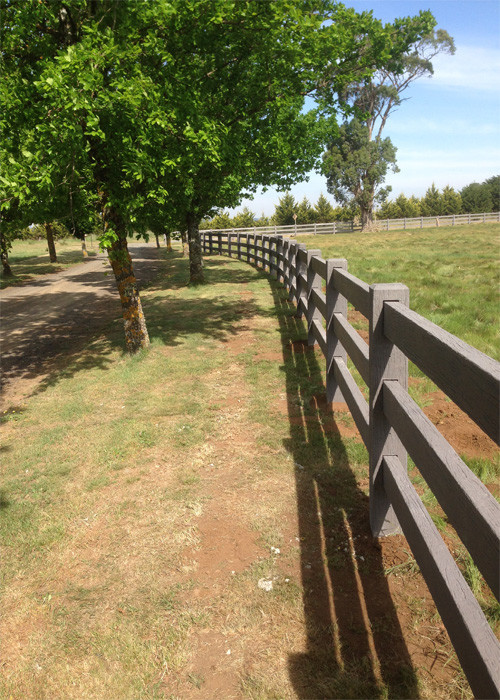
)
(392, 425)
(352, 226)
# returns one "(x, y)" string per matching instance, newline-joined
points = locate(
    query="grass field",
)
(149, 501)
(453, 273)
(30, 258)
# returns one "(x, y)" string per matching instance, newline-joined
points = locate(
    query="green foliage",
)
(494, 184)
(305, 212)
(401, 208)
(431, 202)
(244, 219)
(357, 158)
(325, 213)
(477, 198)
(355, 167)
(284, 210)
(451, 201)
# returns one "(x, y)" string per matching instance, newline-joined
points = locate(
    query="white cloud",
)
(471, 68)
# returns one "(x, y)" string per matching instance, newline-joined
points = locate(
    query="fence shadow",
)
(355, 646)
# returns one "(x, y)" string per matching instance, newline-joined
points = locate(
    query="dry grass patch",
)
(192, 522)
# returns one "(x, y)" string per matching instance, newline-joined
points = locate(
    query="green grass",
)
(452, 273)
(31, 258)
(110, 470)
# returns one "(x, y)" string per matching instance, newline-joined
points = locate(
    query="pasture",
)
(191, 522)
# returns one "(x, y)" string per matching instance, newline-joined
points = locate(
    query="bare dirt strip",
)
(55, 316)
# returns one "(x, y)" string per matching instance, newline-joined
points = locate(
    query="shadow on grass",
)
(60, 334)
(355, 647)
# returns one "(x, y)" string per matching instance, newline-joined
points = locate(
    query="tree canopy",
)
(172, 109)
(358, 158)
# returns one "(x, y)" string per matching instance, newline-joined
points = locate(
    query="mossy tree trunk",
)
(185, 244)
(195, 255)
(50, 243)
(169, 242)
(4, 256)
(84, 248)
(157, 240)
(136, 332)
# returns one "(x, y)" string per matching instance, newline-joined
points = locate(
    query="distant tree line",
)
(475, 198)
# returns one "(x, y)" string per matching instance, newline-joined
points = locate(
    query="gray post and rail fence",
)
(335, 227)
(392, 425)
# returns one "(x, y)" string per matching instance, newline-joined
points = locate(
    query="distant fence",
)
(391, 424)
(351, 226)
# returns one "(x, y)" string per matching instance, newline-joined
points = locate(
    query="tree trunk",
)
(50, 242)
(195, 256)
(136, 332)
(4, 255)
(157, 240)
(169, 242)
(84, 248)
(366, 218)
(185, 246)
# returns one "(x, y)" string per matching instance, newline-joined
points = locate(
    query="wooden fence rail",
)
(351, 226)
(391, 423)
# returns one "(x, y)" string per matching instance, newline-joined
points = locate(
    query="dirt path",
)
(57, 315)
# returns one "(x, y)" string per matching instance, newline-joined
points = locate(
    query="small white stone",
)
(265, 584)
(228, 652)
(275, 550)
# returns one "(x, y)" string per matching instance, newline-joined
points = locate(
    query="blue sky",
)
(448, 132)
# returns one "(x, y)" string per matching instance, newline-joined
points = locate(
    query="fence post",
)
(301, 269)
(229, 251)
(280, 272)
(292, 270)
(313, 282)
(336, 303)
(387, 225)
(387, 363)
(268, 254)
(334, 227)
(210, 243)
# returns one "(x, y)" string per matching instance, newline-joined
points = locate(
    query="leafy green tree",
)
(476, 198)
(263, 220)
(284, 210)
(494, 186)
(355, 168)
(306, 213)
(222, 220)
(405, 208)
(431, 203)
(358, 158)
(244, 219)
(324, 210)
(451, 201)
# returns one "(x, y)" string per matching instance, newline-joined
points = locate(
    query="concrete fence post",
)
(335, 303)
(300, 287)
(313, 282)
(292, 278)
(280, 272)
(387, 363)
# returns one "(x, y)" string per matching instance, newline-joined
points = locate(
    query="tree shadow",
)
(355, 646)
(65, 333)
